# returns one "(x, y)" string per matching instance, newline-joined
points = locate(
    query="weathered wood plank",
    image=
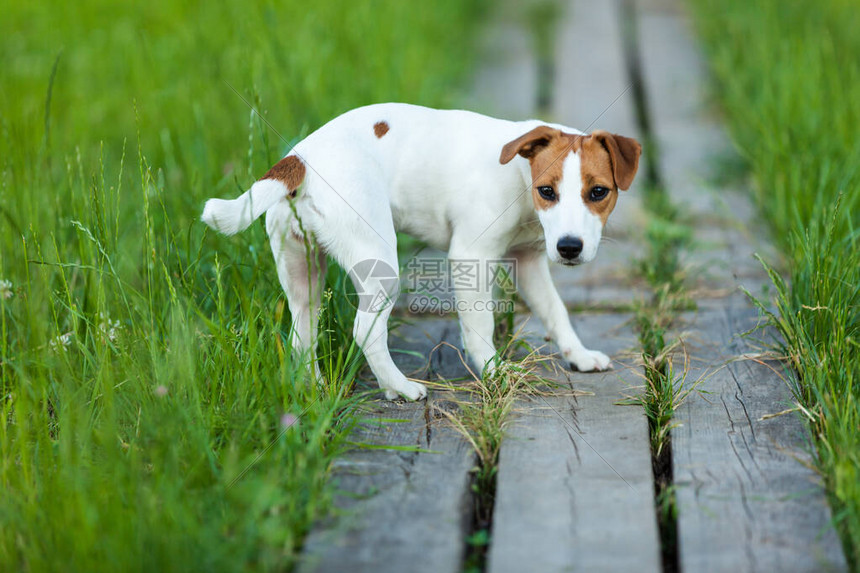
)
(745, 502)
(401, 510)
(691, 139)
(592, 88)
(575, 489)
(593, 91)
(506, 82)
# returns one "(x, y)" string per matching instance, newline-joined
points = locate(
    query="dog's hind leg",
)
(301, 269)
(372, 264)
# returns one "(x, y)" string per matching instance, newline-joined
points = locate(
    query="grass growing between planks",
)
(665, 390)
(788, 76)
(151, 414)
(483, 417)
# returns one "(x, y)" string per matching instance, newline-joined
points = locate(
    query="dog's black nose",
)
(569, 247)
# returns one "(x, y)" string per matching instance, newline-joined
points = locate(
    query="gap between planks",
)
(746, 502)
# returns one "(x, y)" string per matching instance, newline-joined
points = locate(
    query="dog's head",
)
(575, 183)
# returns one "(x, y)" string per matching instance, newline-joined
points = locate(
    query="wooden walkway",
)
(574, 486)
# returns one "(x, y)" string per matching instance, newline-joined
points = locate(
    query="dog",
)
(479, 187)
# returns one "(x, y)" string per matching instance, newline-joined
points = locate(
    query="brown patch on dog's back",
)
(380, 128)
(290, 171)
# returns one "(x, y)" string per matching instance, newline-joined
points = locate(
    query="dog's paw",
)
(589, 361)
(407, 389)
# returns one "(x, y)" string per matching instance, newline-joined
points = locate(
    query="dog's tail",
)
(231, 216)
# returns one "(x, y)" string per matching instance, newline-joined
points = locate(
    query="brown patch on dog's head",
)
(596, 171)
(545, 147)
(624, 153)
(380, 128)
(606, 160)
(529, 144)
(290, 171)
(609, 161)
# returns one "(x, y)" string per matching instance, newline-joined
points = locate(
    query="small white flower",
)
(62, 341)
(109, 328)
(6, 289)
(161, 391)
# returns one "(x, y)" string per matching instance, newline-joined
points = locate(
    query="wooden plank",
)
(428, 348)
(745, 502)
(505, 83)
(575, 489)
(592, 83)
(593, 91)
(691, 139)
(401, 510)
(574, 486)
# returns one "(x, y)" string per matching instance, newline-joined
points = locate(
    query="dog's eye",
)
(547, 192)
(598, 193)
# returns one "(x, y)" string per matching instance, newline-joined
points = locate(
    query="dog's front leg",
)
(476, 327)
(474, 304)
(535, 285)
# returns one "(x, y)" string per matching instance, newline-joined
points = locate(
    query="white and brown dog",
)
(480, 188)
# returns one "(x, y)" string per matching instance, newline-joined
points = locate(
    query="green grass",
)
(667, 236)
(151, 414)
(788, 76)
(663, 391)
(483, 417)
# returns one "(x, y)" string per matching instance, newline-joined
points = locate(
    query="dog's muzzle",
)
(569, 248)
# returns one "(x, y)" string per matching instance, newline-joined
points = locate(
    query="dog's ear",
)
(624, 153)
(529, 144)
